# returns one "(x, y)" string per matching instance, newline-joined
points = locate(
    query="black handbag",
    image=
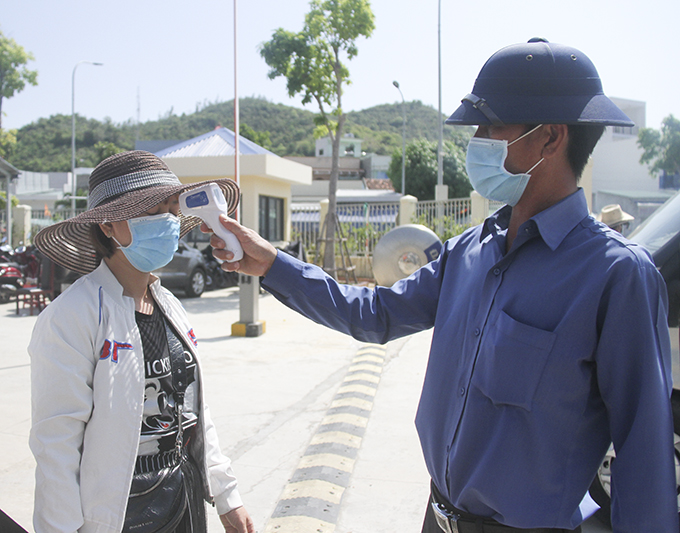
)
(159, 499)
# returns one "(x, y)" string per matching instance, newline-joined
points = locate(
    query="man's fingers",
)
(217, 243)
(231, 225)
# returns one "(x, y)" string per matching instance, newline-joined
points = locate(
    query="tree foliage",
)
(14, 75)
(45, 145)
(311, 62)
(106, 149)
(8, 141)
(421, 169)
(260, 138)
(661, 148)
(3, 200)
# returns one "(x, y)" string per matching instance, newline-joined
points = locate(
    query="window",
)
(271, 218)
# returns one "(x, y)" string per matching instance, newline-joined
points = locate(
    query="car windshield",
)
(659, 228)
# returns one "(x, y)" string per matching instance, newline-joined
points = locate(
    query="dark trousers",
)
(477, 524)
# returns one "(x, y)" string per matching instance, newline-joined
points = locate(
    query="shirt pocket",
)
(511, 361)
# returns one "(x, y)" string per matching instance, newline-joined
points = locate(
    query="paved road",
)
(273, 399)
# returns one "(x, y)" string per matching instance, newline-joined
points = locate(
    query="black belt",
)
(452, 520)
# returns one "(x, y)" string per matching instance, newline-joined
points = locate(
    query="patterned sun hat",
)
(121, 187)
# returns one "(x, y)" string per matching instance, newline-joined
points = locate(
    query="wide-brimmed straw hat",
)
(613, 215)
(122, 187)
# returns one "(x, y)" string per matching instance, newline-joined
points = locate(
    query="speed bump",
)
(310, 502)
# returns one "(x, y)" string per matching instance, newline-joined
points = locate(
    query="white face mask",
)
(485, 163)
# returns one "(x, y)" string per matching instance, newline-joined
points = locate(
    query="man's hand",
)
(258, 253)
(237, 521)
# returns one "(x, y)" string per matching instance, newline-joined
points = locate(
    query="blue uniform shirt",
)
(540, 357)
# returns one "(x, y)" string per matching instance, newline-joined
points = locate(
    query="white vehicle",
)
(660, 235)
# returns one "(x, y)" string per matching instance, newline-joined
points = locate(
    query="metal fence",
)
(361, 225)
(449, 213)
(305, 225)
(41, 219)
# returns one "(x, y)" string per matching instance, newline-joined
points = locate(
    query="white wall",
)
(616, 158)
(616, 167)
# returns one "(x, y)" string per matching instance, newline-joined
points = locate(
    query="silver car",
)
(186, 271)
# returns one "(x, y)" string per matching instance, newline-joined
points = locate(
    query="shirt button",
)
(477, 332)
(496, 271)
(462, 391)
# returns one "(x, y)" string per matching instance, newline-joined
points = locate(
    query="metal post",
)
(440, 157)
(8, 204)
(441, 190)
(403, 140)
(237, 126)
(249, 324)
(73, 134)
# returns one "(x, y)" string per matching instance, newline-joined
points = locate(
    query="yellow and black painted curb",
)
(310, 502)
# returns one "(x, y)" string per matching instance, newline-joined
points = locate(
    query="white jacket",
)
(87, 410)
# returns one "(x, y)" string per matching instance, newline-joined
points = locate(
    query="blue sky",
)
(179, 54)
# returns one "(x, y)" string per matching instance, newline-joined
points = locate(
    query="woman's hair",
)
(102, 244)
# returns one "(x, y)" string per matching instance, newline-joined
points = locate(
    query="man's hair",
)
(582, 141)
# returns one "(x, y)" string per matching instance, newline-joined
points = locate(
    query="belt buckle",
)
(447, 521)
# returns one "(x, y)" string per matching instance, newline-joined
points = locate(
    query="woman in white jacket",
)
(104, 403)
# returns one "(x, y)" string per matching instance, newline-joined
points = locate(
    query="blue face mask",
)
(154, 241)
(485, 163)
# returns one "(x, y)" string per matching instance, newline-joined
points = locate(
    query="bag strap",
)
(178, 368)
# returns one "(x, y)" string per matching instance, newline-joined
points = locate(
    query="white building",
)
(350, 146)
(618, 177)
(265, 178)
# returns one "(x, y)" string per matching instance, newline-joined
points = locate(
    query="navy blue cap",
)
(538, 83)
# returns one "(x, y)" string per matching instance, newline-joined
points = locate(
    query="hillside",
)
(45, 145)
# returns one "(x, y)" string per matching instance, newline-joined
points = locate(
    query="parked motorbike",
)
(7, 256)
(11, 279)
(216, 278)
(29, 262)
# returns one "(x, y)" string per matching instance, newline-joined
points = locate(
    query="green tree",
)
(13, 72)
(3, 200)
(661, 148)
(8, 140)
(261, 138)
(106, 149)
(421, 169)
(311, 62)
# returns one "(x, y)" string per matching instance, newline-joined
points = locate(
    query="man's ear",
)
(556, 139)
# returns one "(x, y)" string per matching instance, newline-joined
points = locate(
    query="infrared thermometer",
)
(207, 203)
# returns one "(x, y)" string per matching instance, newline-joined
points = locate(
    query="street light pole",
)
(73, 134)
(403, 140)
(440, 156)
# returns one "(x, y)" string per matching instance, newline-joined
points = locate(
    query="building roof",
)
(219, 142)
(365, 195)
(7, 169)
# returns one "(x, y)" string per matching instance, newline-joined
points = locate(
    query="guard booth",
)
(265, 181)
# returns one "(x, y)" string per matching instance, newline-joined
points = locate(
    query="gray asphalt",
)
(268, 397)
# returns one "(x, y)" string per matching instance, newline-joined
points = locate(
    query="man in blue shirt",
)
(550, 338)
